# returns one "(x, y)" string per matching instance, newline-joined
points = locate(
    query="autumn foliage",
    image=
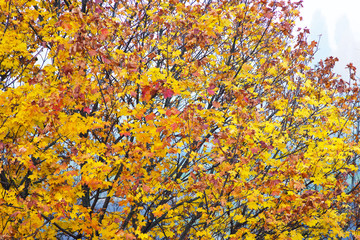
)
(172, 119)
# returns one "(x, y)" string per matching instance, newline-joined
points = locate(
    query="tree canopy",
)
(172, 119)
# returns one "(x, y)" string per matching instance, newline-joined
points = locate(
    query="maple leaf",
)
(104, 33)
(168, 93)
(87, 110)
(92, 53)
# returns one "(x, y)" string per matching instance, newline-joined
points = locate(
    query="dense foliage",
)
(171, 119)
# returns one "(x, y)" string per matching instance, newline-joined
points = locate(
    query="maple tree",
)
(171, 119)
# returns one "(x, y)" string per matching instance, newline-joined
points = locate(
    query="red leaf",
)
(275, 192)
(56, 107)
(146, 188)
(105, 60)
(210, 89)
(98, 10)
(67, 69)
(255, 150)
(66, 26)
(61, 47)
(145, 93)
(196, 74)
(149, 117)
(159, 129)
(104, 33)
(74, 151)
(87, 110)
(132, 66)
(171, 112)
(174, 126)
(168, 93)
(216, 104)
(196, 31)
(211, 92)
(92, 53)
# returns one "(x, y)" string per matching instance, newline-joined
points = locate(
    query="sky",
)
(338, 26)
